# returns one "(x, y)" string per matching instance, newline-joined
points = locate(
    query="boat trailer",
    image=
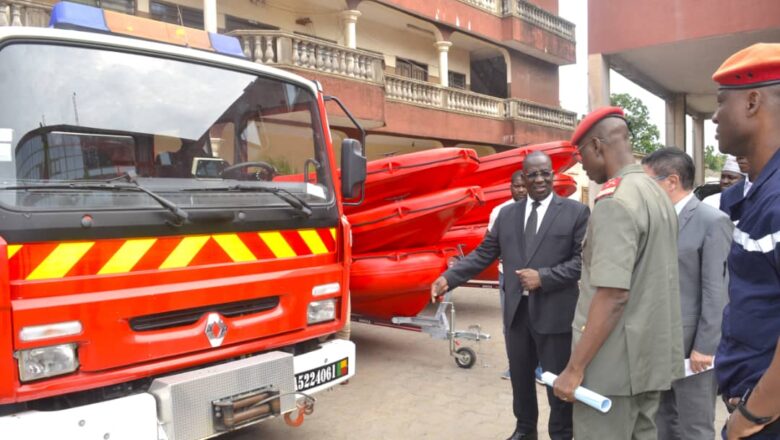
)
(434, 320)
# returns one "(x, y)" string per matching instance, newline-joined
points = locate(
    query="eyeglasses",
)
(582, 146)
(545, 174)
(659, 178)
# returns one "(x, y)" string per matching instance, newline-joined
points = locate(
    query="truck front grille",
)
(178, 318)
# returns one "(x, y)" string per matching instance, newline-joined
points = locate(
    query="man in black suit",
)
(539, 239)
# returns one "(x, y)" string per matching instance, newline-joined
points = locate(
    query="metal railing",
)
(24, 13)
(288, 49)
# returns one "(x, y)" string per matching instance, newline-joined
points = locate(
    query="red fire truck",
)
(173, 253)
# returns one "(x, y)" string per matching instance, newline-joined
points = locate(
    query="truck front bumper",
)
(193, 405)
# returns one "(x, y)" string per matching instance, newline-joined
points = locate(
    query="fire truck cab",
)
(173, 252)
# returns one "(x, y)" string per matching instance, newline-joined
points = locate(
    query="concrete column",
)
(349, 20)
(598, 96)
(698, 149)
(444, 68)
(675, 121)
(210, 15)
(598, 81)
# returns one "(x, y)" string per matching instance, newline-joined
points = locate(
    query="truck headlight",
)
(321, 311)
(40, 363)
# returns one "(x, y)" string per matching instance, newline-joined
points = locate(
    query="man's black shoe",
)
(517, 435)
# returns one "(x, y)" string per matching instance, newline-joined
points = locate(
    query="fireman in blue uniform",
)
(748, 119)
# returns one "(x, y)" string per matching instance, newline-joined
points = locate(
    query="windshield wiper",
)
(296, 202)
(180, 214)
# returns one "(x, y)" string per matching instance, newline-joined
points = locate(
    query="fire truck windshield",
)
(190, 131)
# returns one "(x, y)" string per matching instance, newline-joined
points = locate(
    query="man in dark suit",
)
(687, 411)
(539, 240)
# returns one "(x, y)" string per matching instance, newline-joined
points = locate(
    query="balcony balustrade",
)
(540, 114)
(412, 91)
(287, 49)
(541, 18)
(493, 6)
(529, 12)
(24, 13)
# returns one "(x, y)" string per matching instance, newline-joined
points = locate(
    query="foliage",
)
(713, 160)
(645, 135)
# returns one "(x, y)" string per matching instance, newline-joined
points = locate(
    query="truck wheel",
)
(465, 357)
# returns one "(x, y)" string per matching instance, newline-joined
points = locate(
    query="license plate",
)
(322, 375)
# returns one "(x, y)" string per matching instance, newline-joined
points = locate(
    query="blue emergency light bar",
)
(67, 15)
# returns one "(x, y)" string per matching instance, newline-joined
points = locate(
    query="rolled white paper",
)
(584, 395)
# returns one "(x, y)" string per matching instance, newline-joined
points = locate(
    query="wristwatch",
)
(756, 420)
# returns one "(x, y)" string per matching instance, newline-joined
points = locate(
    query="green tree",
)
(645, 135)
(713, 160)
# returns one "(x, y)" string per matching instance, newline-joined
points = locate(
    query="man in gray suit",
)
(687, 411)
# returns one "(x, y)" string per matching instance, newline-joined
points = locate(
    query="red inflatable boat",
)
(396, 283)
(497, 168)
(410, 223)
(414, 174)
(469, 237)
(564, 185)
(494, 196)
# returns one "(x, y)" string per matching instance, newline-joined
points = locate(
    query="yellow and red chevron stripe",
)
(48, 260)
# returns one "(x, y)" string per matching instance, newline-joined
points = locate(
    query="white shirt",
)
(684, 201)
(495, 211)
(713, 200)
(747, 186)
(540, 211)
(492, 219)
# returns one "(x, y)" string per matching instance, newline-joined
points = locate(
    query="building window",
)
(411, 69)
(457, 80)
(125, 6)
(240, 24)
(181, 15)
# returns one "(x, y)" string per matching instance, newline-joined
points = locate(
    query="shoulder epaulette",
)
(608, 188)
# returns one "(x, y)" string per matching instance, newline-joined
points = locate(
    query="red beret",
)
(755, 66)
(594, 118)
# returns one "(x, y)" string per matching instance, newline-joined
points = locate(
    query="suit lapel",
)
(549, 218)
(687, 212)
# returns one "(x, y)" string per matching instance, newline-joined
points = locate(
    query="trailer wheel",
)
(465, 357)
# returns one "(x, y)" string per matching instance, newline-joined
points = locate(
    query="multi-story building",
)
(417, 74)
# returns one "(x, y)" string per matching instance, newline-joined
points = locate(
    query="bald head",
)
(614, 131)
(536, 158)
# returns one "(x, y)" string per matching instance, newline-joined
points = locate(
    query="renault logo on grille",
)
(216, 329)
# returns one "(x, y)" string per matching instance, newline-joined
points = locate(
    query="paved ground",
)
(407, 387)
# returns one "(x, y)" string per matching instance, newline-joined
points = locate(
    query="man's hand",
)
(700, 362)
(529, 279)
(438, 288)
(566, 383)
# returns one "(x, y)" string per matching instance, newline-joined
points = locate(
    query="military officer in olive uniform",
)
(627, 340)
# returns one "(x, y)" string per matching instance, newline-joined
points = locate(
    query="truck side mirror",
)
(353, 169)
